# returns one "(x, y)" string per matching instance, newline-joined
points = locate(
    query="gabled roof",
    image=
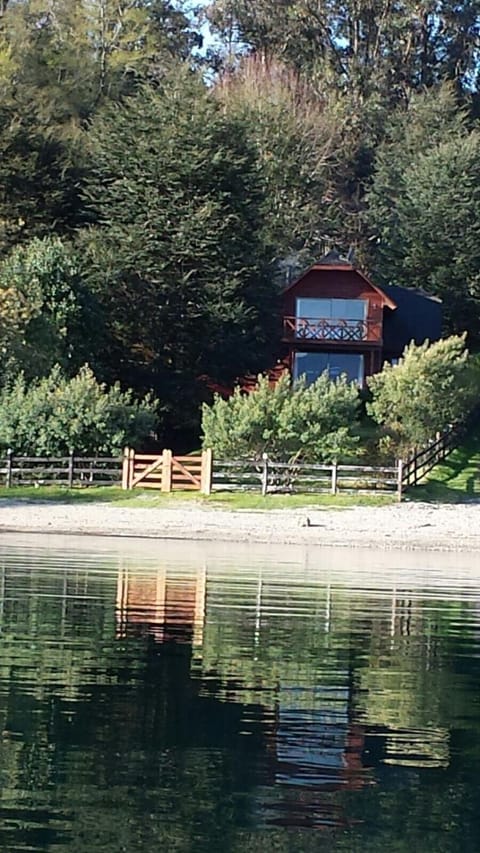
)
(334, 261)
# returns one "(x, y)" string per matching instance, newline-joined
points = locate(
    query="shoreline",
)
(404, 527)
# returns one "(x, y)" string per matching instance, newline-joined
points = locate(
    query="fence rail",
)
(270, 477)
(68, 471)
(418, 465)
(205, 473)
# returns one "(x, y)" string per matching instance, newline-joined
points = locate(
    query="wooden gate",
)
(167, 472)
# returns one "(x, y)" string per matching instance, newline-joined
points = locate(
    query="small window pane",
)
(314, 309)
(310, 364)
(313, 364)
(349, 309)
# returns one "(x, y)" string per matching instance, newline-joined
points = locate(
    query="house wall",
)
(343, 284)
(331, 283)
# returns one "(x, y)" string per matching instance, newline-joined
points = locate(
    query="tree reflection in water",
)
(165, 703)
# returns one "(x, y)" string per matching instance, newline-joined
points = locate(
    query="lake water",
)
(190, 697)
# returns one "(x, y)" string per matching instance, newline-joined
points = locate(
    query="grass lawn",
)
(456, 480)
(225, 500)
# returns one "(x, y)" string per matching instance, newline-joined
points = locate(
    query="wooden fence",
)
(273, 477)
(418, 465)
(68, 471)
(167, 472)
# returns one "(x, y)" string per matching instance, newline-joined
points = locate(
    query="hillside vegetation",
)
(156, 194)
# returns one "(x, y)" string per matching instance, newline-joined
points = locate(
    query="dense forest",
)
(164, 168)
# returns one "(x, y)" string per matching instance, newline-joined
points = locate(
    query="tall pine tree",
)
(178, 260)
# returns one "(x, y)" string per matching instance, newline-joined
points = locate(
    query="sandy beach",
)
(400, 526)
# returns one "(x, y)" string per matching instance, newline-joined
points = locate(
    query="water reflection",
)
(206, 700)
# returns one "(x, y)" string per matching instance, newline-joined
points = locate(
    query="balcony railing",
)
(319, 329)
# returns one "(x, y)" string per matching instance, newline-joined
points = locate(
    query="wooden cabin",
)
(336, 319)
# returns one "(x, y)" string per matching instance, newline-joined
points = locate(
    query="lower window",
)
(313, 364)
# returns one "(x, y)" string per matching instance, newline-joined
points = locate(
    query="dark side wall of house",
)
(418, 317)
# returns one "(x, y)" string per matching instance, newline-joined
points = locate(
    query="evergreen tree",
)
(424, 208)
(296, 134)
(179, 261)
(59, 63)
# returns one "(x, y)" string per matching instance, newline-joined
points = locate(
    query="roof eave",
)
(343, 267)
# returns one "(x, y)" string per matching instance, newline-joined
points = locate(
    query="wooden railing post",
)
(264, 474)
(131, 467)
(71, 468)
(167, 471)
(334, 478)
(8, 476)
(125, 464)
(207, 471)
(400, 480)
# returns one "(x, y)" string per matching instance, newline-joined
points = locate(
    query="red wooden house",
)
(336, 319)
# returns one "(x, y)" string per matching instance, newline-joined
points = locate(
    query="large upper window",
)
(332, 309)
(313, 364)
(331, 319)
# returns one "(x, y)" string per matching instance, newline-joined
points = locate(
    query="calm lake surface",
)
(189, 697)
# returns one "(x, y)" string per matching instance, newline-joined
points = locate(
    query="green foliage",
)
(313, 423)
(296, 136)
(424, 208)
(431, 387)
(187, 200)
(58, 67)
(455, 480)
(44, 309)
(39, 178)
(359, 46)
(179, 262)
(76, 54)
(54, 414)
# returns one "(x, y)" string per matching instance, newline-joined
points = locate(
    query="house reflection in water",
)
(161, 604)
(317, 754)
(322, 729)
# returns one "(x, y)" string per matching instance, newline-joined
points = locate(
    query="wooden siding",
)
(340, 283)
(339, 336)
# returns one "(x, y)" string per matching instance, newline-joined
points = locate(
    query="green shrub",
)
(313, 423)
(431, 387)
(43, 307)
(54, 414)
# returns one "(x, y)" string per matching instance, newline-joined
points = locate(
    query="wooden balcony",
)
(310, 329)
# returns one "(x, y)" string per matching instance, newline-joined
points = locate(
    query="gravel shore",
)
(406, 526)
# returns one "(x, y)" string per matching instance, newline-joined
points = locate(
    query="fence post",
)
(71, 467)
(334, 478)
(400, 480)
(207, 470)
(167, 471)
(126, 468)
(264, 474)
(8, 478)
